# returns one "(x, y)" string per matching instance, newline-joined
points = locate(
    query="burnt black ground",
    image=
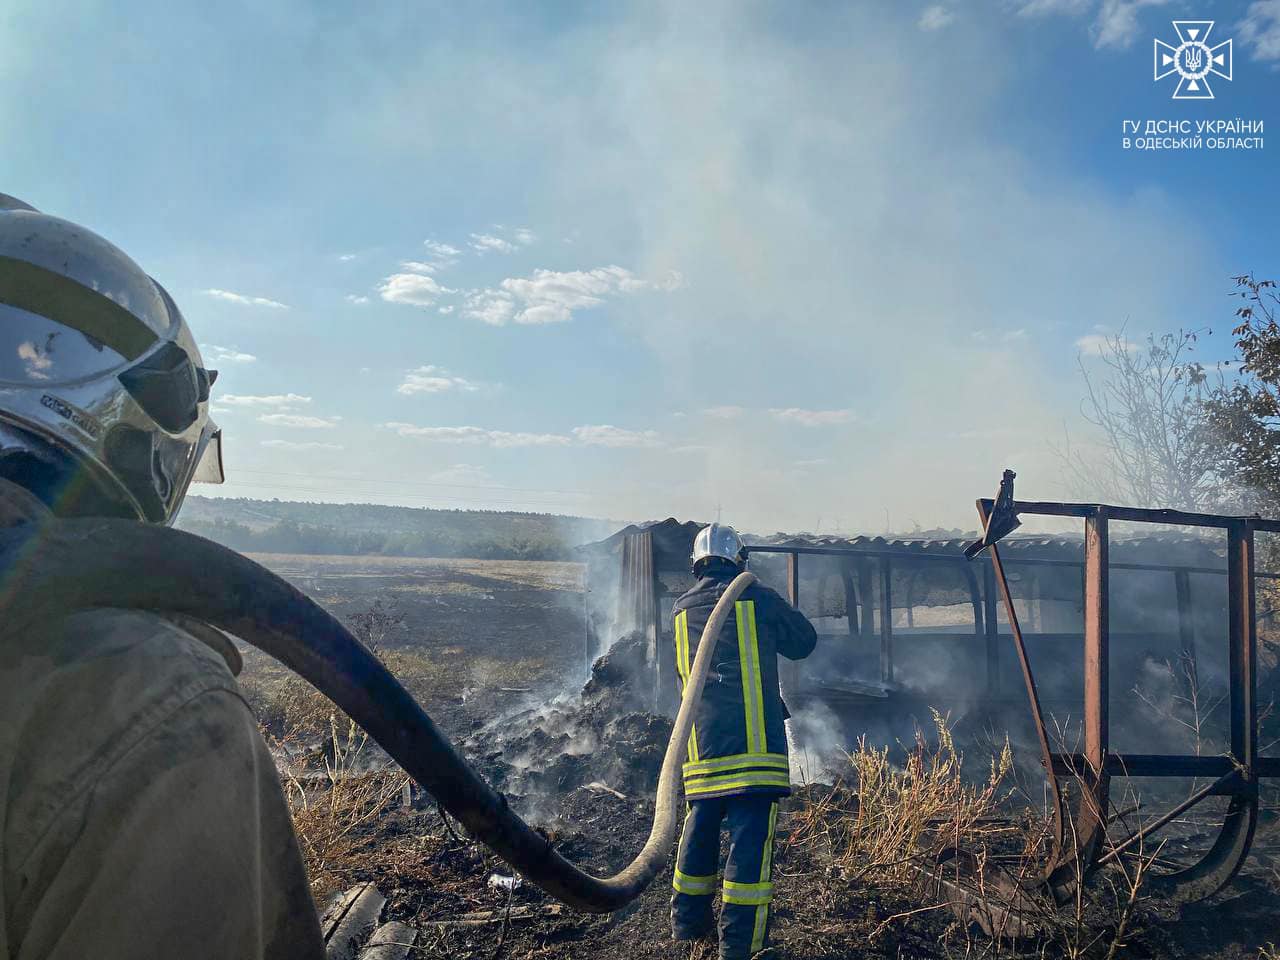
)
(502, 649)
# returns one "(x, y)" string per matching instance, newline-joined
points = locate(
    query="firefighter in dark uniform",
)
(737, 767)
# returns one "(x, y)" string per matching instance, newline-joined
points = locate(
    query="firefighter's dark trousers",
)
(748, 886)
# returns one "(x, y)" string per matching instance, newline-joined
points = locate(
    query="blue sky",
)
(814, 264)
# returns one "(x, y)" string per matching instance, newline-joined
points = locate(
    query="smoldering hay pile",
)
(605, 737)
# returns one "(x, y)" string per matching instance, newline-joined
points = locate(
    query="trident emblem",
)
(1193, 60)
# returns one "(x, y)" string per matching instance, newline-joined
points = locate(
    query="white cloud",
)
(1040, 8)
(1097, 344)
(1260, 29)
(811, 418)
(592, 435)
(1117, 22)
(491, 242)
(551, 296)
(605, 435)
(725, 413)
(441, 251)
(216, 354)
(1002, 336)
(418, 266)
(271, 400)
(490, 306)
(243, 299)
(479, 436)
(446, 310)
(935, 17)
(484, 242)
(414, 289)
(299, 421)
(356, 299)
(462, 475)
(346, 257)
(307, 445)
(432, 379)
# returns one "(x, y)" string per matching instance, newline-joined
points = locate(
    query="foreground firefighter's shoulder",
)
(130, 758)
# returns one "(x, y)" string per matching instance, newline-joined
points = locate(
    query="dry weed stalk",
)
(332, 820)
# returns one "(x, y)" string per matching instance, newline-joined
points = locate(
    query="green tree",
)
(1245, 415)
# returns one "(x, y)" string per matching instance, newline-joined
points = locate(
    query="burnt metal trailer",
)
(1235, 774)
(888, 608)
(1177, 592)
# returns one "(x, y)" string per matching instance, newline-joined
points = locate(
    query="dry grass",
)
(335, 815)
(893, 818)
(886, 830)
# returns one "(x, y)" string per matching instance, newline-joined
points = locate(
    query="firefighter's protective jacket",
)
(141, 815)
(738, 744)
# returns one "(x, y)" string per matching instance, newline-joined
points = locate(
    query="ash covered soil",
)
(498, 654)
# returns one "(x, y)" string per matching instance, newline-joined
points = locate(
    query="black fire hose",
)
(53, 569)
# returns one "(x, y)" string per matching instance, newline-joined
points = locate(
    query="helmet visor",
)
(209, 466)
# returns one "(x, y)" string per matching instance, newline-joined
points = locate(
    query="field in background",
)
(469, 638)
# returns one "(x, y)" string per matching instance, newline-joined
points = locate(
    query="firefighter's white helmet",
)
(718, 540)
(103, 394)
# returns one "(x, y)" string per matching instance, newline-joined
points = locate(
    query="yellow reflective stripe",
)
(694, 886)
(766, 862)
(48, 293)
(683, 669)
(762, 923)
(766, 874)
(737, 761)
(682, 626)
(748, 686)
(747, 893)
(754, 649)
(714, 784)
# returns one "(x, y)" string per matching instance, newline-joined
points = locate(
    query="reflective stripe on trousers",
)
(748, 875)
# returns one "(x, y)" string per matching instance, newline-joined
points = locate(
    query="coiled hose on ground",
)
(52, 569)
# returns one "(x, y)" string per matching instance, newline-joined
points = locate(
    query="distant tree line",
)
(289, 536)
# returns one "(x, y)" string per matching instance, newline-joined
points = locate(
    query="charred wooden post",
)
(886, 620)
(866, 605)
(991, 630)
(793, 579)
(638, 598)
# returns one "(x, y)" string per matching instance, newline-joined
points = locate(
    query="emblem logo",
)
(1193, 60)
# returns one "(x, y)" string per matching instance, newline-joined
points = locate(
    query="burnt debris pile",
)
(606, 738)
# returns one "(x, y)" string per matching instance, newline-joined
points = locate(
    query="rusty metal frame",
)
(1236, 774)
